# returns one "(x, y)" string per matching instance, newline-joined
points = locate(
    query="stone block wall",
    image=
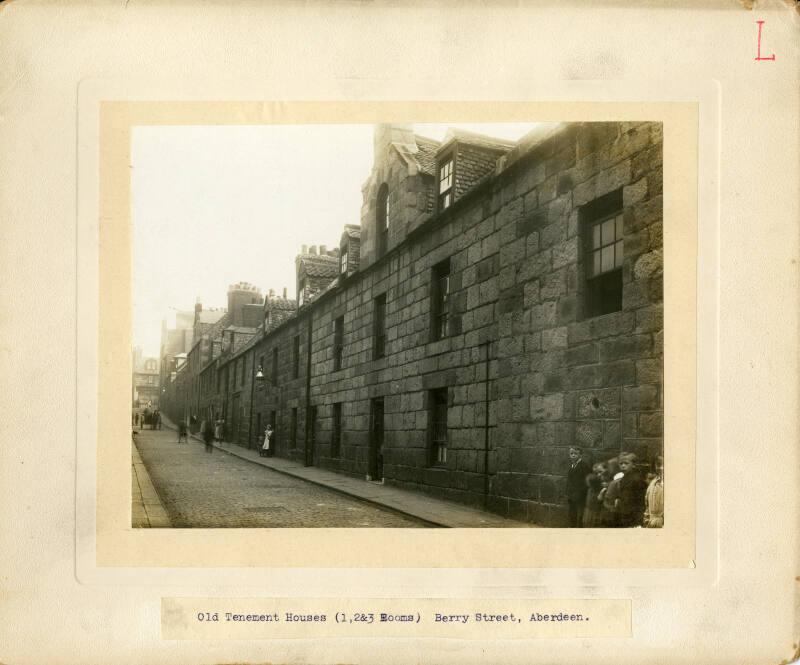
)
(526, 371)
(565, 379)
(409, 196)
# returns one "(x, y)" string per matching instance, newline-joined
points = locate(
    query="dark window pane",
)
(595, 263)
(440, 292)
(604, 294)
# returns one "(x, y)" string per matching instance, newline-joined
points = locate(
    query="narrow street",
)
(218, 490)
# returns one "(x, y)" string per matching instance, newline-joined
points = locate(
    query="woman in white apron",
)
(266, 447)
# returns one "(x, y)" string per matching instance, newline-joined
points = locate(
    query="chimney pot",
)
(271, 293)
(304, 249)
(284, 293)
(313, 250)
(323, 250)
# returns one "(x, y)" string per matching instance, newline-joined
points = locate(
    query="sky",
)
(216, 205)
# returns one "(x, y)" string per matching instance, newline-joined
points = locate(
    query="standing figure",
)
(208, 436)
(218, 429)
(266, 447)
(593, 510)
(609, 495)
(654, 498)
(632, 487)
(182, 432)
(576, 486)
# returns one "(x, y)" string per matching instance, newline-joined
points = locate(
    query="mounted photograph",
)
(398, 325)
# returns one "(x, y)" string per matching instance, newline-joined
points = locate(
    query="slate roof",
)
(426, 157)
(281, 304)
(479, 140)
(241, 329)
(315, 265)
(213, 330)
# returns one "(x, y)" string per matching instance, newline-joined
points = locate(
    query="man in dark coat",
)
(576, 486)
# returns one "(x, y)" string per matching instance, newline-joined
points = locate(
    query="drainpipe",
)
(486, 425)
(308, 450)
(252, 399)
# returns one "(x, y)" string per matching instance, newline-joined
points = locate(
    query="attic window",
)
(343, 260)
(446, 184)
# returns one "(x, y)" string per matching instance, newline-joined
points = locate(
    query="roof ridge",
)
(463, 133)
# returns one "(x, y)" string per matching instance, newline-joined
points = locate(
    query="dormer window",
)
(343, 261)
(382, 218)
(446, 183)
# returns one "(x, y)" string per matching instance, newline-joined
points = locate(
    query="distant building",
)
(146, 381)
(174, 341)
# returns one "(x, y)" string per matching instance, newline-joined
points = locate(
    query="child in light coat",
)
(654, 498)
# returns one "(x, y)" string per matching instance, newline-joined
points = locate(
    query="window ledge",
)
(439, 346)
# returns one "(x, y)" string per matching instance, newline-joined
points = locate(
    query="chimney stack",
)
(284, 293)
(323, 250)
(271, 294)
(386, 134)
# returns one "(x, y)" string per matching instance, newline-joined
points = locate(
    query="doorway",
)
(375, 461)
(312, 435)
(233, 433)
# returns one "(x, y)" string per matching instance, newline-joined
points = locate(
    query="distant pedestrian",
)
(218, 429)
(576, 486)
(158, 419)
(266, 447)
(182, 435)
(208, 436)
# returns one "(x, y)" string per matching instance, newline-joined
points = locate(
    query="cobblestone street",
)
(199, 489)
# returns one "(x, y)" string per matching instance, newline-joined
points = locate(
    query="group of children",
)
(615, 493)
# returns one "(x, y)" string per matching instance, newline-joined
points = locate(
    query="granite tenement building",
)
(498, 303)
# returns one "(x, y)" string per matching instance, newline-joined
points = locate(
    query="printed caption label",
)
(286, 618)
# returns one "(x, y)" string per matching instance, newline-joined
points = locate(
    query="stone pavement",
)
(147, 510)
(219, 490)
(436, 512)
